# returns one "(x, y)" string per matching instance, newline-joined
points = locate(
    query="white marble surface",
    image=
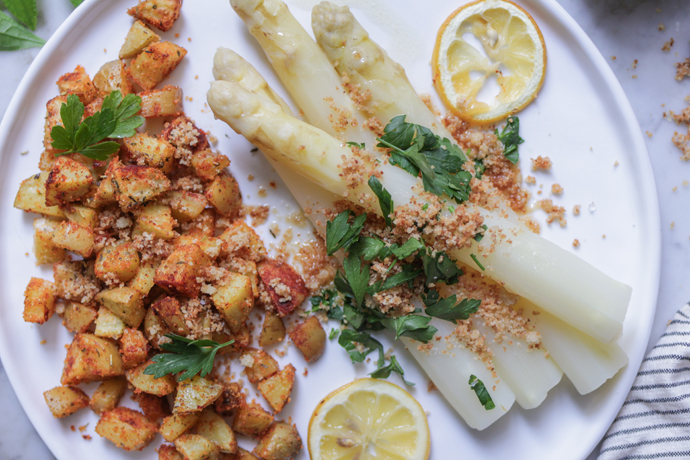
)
(626, 29)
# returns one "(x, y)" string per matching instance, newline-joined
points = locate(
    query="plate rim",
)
(640, 155)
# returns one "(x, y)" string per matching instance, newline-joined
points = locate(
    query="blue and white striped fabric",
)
(654, 422)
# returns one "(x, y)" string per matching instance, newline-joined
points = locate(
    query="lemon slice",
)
(514, 52)
(368, 419)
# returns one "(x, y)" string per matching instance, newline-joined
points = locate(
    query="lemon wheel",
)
(513, 51)
(368, 419)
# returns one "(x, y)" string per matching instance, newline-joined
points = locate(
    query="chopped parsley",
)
(476, 261)
(188, 356)
(510, 138)
(481, 392)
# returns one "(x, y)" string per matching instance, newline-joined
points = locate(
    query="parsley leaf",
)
(369, 248)
(116, 119)
(347, 340)
(353, 317)
(440, 267)
(191, 356)
(333, 334)
(447, 308)
(480, 235)
(357, 276)
(408, 273)
(385, 371)
(481, 392)
(385, 200)
(510, 138)
(408, 248)
(14, 36)
(340, 233)
(327, 298)
(415, 327)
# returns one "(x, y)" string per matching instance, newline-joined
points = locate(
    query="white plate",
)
(581, 120)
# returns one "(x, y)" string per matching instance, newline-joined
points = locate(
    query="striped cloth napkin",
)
(654, 422)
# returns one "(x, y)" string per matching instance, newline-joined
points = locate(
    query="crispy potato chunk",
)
(281, 442)
(194, 394)
(154, 407)
(65, 400)
(31, 197)
(196, 447)
(164, 102)
(277, 388)
(208, 165)
(137, 185)
(285, 287)
(137, 39)
(241, 455)
(176, 424)
(125, 302)
(212, 427)
(170, 311)
(53, 118)
(82, 215)
(106, 193)
(186, 205)
(251, 420)
(178, 273)
(230, 399)
(147, 383)
(77, 317)
(91, 358)
(126, 428)
(224, 194)
(161, 14)
(155, 329)
(75, 238)
(151, 67)
(143, 279)
(134, 348)
(146, 150)
(234, 299)
(112, 76)
(108, 324)
(79, 84)
(182, 132)
(108, 394)
(76, 280)
(156, 219)
(272, 331)
(203, 225)
(119, 261)
(39, 301)
(309, 338)
(168, 452)
(68, 181)
(240, 240)
(258, 364)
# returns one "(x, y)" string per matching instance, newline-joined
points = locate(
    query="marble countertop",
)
(630, 33)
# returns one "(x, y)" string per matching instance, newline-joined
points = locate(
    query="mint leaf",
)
(385, 372)
(385, 199)
(481, 392)
(14, 36)
(24, 10)
(449, 309)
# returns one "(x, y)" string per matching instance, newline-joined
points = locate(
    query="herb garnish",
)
(340, 233)
(191, 356)
(15, 37)
(385, 200)
(476, 261)
(447, 308)
(117, 119)
(481, 392)
(385, 372)
(510, 138)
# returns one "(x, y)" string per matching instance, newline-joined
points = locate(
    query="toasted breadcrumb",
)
(556, 189)
(682, 69)
(531, 180)
(576, 243)
(667, 46)
(541, 163)
(554, 212)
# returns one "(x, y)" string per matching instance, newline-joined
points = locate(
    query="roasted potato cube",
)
(119, 262)
(106, 192)
(183, 133)
(208, 165)
(65, 400)
(251, 420)
(156, 219)
(82, 215)
(155, 329)
(224, 194)
(176, 424)
(143, 279)
(53, 118)
(146, 150)
(186, 205)
(31, 196)
(194, 394)
(285, 287)
(168, 452)
(164, 102)
(91, 358)
(68, 181)
(48, 157)
(125, 302)
(234, 299)
(154, 407)
(212, 427)
(242, 338)
(248, 268)
(230, 399)
(75, 280)
(241, 455)
(137, 185)
(78, 318)
(309, 338)
(126, 428)
(277, 388)
(95, 106)
(203, 225)
(137, 39)
(112, 76)
(108, 324)
(272, 331)
(147, 383)
(151, 67)
(169, 310)
(196, 447)
(161, 14)
(178, 273)
(75, 238)
(258, 364)
(108, 394)
(281, 442)
(39, 301)
(79, 84)
(240, 240)
(134, 348)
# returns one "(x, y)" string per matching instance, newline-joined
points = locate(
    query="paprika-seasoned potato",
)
(39, 301)
(154, 328)
(194, 394)
(176, 424)
(284, 286)
(134, 348)
(212, 427)
(277, 388)
(91, 358)
(126, 428)
(148, 383)
(224, 194)
(272, 331)
(137, 39)
(240, 240)
(31, 197)
(73, 237)
(170, 311)
(185, 205)
(143, 279)
(112, 76)
(119, 261)
(161, 14)
(179, 272)
(258, 364)
(82, 215)
(164, 102)
(146, 150)
(136, 185)
(79, 84)
(156, 219)
(53, 118)
(208, 165)
(150, 67)
(77, 317)
(309, 338)
(281, 442)
(251, 420)
(196, 447)
(65, 400)
(108, 324)
(108, 394)
(230, 399)
(234, 299)
(154, 407)
(241, 455)
(168, 452)
(68, 181)
(125, 302)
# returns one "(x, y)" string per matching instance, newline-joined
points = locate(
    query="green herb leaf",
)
(440, 267)
(353, 317)
(357, 276)
(327, 299)
(333, 334)
(409, 273)
(415, 327)
(24, 10)
(510, 138)
(191, 356)
(448, 308)
(408, 248)
(14, 36)
(340, 233)
(480, 235)
(355, 144)
(385, 372)
(76, 2)
(479, 168)
(385, 200)
(476, 261)
(347, 340)
(481, 392)
(369, 248)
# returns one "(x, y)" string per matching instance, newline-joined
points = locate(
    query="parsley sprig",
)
(188, 356)
(481, 392)
(510, 138)
(117, 119)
